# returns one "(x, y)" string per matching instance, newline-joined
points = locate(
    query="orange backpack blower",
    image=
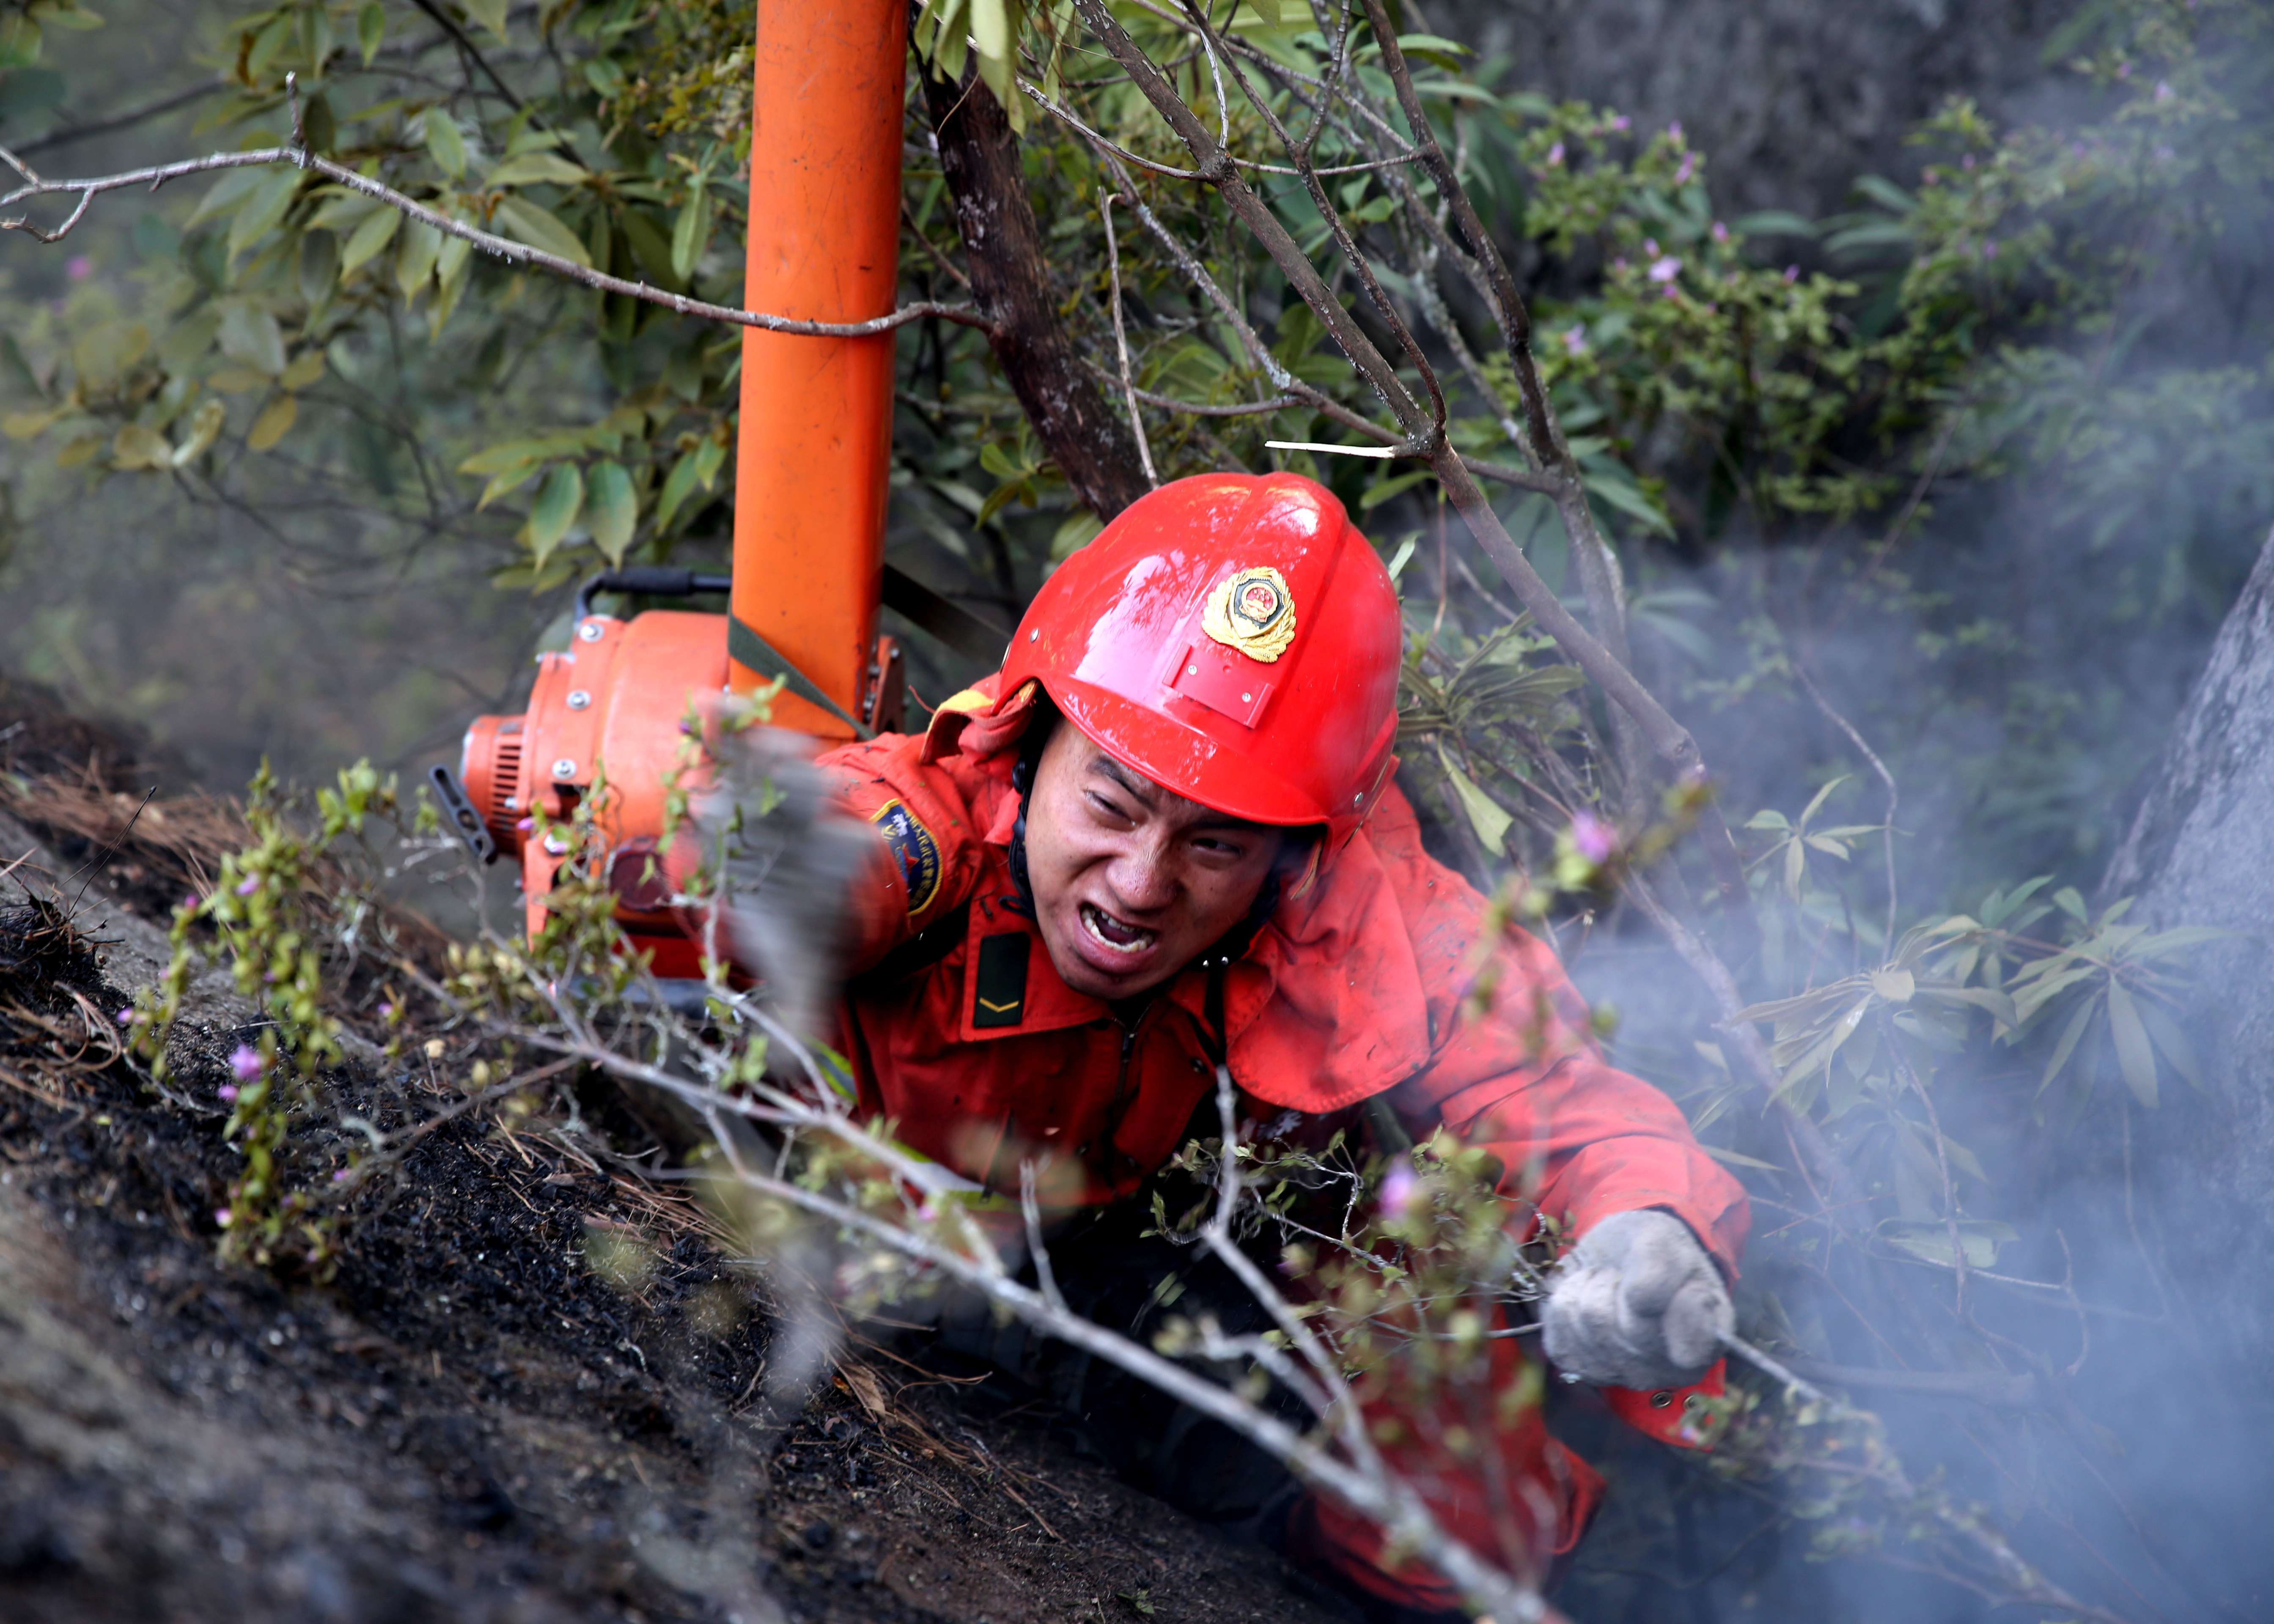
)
(809, 496)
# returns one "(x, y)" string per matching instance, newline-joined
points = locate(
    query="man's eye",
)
(1107, 809)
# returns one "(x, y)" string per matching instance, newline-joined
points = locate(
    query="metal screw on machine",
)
(590, 631)
(578, 699)
(565, 768)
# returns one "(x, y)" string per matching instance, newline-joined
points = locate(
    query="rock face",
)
(2201, 851)
(1791, 99)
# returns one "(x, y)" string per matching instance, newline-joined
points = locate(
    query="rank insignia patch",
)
(1252, 612)
(915, 850)
(999, 992)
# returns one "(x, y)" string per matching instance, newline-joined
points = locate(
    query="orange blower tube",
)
(816, 415)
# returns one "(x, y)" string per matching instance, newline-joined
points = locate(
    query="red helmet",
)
(1234, 638)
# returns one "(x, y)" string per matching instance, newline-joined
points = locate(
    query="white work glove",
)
(1636, 1304)
(790, 855)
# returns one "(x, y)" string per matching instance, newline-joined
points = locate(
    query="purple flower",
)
(126, 1016)
(1721, 232)
(2162, 90)
(526, 825)
(1665, 268)
(386, 1011)
(1400, 1190)
(340, 1175)
(1792, 273)
(1591, 838)
(1575, 340)
(1674, 132)
(1621, 122)
(79, 267)
(226, 1093)
(250, 883)
(2124, 69)
(246, 1062)
(191, 904)
(222, 1216)
(1555, 154)
(1619, 264)
(1688, 167)
(1967, 162)
(1650, 246)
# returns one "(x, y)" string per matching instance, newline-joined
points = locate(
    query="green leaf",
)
(539, 168)
(537, 448)
(1624, 494)
(1378, 493)
(264, 209)
(530, 224)
(2071, 903)
(249, 334)
(2135, 1057)
(691, 233)
(490, 13)
(371, 29)
(306, 368)
(445, 144)
(136, 446)
(650, 247)
(2171, 1043)
(1893, 985)
(2068, 1042)
(1486, 816)
(367, 239)
(1928, 1238)
(555, 509)
(414, 260)
(273, 423)
(611, 510)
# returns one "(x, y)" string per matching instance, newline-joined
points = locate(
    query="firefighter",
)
(1166, 834)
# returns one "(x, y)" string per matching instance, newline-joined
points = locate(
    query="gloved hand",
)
(784, 855)
(1636, 1304)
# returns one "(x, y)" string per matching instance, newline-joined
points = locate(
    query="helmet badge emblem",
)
(1252, 610)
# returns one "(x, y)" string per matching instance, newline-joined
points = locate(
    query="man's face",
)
(1132, 882)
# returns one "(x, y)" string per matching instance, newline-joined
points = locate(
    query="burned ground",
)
(468, 1419)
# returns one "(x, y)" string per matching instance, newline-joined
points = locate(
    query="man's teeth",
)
(1108, 932)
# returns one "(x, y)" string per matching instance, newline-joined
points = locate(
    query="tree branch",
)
(521, 254)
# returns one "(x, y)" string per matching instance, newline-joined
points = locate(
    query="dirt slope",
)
(467, 1421)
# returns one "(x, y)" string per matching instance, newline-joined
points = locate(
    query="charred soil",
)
(527, 1386)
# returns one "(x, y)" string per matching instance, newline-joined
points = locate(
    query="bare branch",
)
(519, 254)
(1121, 340)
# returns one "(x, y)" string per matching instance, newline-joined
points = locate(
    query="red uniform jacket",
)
(1385, 978)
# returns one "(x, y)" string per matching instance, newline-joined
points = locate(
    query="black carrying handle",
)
(649, 580)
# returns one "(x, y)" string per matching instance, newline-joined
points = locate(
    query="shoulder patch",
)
(998, 990)
(915, 851)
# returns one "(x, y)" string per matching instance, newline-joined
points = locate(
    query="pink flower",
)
(1555, 154)
(2162, 90)
(1400, 1190)
(340, 1175)
(1674, 132)
(79, 267)
(1666, 268)
(1688, 167)
(222, 1216)
(226, 1093)
(191, 903)
(1619, 264)
(126, 1016)
(246, 1062)
(1650, 246)
(250, 883)
(1792, 273)
(2124, 69)
(1721, 232)
(1575, 340)
(1591, 838)
(526, 825)
(386, 1011)
(1621, 123)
